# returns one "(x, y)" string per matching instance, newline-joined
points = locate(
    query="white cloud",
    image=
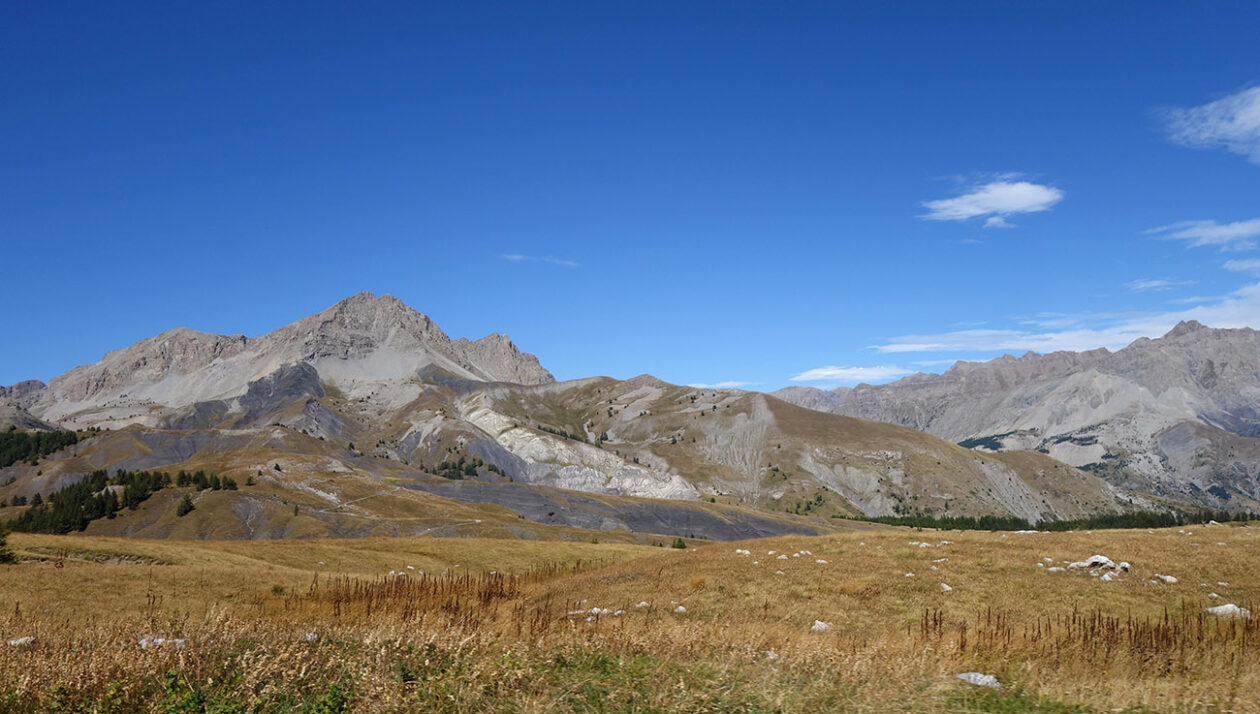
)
(1063, 320)
(1139, 286)
(1251, 265)
(1193, 299)
(852, 375)
(1240, 308)
(997, 200)
(722, 385)
(1229, 236)
(1231, 123)
(518, 258)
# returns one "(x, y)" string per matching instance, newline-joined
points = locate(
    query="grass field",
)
(481, 625)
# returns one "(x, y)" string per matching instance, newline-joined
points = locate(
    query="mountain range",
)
(367, 419)
(1177, 416)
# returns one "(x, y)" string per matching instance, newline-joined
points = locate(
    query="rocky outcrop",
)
(25, 394)
(14, 415)
(495, 357)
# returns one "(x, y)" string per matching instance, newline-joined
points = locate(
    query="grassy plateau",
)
(859, 621)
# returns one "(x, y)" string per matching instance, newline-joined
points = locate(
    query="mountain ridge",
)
(1139, 414)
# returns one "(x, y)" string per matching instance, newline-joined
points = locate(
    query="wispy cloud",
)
(1229, 236)
(1064, 320)
(722, 385)
(1240, 308)
(997, 200)
(1231, 123)
(1251, 265)
(518, 258)
(1196, 299)
(1141, 286)
(852, 375)
(934, 362)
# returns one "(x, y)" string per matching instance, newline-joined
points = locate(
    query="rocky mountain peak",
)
(363, 339)
(496, 356)
(1186, 327)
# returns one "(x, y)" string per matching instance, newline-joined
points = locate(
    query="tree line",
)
(100, 495)
(30, 446)
(1103, 521)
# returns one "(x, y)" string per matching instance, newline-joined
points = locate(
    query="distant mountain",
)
(1176, 416)
(355, 413)
(362, 340)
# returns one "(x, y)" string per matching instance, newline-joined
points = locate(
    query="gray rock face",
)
(24, 393)
(495, 357)
(1126, 415)
(13, 414)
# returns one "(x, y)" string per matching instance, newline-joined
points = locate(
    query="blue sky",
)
(712, 193)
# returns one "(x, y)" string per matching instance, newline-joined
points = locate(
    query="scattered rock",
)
(1230, 610)
(1094, 562)
(820, 626)
(1168, 579)
(21, 641)
(680, 609)
(945, 588)
(980, 679)
(1098, 565)
(311, 637)
(151, 642)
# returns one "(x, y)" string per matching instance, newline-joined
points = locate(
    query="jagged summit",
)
(1186, 327)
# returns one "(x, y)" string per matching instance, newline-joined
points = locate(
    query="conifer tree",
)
(6, 555)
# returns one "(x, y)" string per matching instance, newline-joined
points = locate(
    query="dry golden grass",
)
(519, 639)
